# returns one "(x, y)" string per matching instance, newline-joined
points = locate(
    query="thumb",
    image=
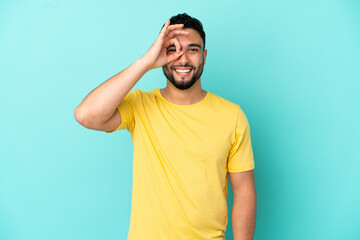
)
(174, 56)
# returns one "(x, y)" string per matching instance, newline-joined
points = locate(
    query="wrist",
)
(145, 62)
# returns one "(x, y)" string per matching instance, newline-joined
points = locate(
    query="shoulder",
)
(140, 92)
(133, 94)
(146, 94)
(225, 104)
(137, 96)
(231, 109)
(137, 93)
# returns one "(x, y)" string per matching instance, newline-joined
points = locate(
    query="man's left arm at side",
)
(244, 205)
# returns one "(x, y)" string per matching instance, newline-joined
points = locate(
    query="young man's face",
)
(186, 70)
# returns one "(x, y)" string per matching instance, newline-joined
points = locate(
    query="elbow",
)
(80, 117)
(87, 118)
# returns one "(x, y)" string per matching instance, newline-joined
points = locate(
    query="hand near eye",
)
(99, 110)
(157, 55)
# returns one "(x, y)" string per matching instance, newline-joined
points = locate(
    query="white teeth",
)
(183, 71)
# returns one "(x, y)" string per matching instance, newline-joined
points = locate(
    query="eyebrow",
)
(194, 45)
(190, 45)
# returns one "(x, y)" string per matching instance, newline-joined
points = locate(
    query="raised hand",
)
(157, 55)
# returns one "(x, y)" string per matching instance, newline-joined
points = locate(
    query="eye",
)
(170, 50)
(193, 50)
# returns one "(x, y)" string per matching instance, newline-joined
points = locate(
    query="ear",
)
(205, 54)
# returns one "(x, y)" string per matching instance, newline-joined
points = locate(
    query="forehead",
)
(192, 38)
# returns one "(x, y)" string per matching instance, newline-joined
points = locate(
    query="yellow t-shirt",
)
(182, 154)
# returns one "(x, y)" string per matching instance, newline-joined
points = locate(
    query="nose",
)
(183, 59)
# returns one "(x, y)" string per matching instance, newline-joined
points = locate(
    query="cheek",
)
(200, 61)
(197, 60)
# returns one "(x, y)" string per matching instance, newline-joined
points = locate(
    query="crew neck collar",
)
(157, 90)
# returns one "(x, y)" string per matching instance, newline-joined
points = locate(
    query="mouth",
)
(182, 72)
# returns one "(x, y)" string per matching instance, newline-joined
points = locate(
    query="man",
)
(186, 141)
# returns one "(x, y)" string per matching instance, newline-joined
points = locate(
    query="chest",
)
(187, 135)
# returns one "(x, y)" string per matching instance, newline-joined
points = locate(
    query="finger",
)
(164, 29)
(175, 41)
(172, 41)
(177, 32)
(174, 56)
(175, 26)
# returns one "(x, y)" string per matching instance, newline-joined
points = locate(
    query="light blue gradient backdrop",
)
(293, 67)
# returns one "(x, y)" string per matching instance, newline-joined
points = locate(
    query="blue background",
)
(292, 66)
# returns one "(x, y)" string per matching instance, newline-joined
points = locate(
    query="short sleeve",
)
(126, 110)
(241, 157)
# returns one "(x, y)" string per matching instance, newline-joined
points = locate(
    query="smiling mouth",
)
(182, 72)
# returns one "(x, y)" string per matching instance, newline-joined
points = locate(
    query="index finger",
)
(175, 26)
(177, 32)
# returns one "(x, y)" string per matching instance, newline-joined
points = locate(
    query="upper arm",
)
(123, 116)
(240, 156)
(242, 182)
(111, 124)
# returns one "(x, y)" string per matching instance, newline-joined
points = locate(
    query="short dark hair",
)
(189, 22)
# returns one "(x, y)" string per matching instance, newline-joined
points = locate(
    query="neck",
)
(183, 97)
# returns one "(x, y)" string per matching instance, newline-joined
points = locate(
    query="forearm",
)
(100, 104)
(244, 216)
